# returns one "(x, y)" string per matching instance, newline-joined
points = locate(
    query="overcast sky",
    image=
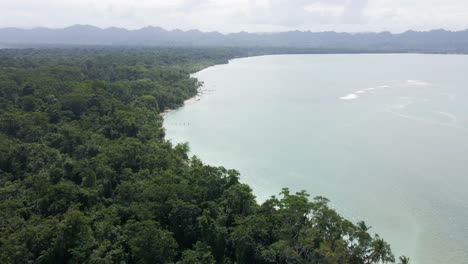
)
(240, 15)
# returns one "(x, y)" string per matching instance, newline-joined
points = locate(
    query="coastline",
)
(196, 97)
(200, 91)
(186, 102)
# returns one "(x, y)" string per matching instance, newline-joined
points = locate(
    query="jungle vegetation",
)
(87, 176)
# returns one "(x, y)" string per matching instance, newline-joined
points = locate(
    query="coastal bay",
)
(335, 125)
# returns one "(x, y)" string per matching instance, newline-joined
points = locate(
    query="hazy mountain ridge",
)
(435, 41)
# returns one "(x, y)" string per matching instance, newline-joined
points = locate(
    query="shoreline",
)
(190, 100)
(196, 97)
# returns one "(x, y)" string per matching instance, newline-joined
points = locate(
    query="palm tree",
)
(404, 260)
(380, 251)
(362, 226)
(362, 232)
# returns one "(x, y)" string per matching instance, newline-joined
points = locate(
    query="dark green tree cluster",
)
(86, 175)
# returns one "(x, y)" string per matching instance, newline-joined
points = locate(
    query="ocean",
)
(384, 137)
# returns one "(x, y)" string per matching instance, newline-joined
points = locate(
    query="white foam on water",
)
(453, 118)
(416, 82)
(398, 110)
(363, 91)
(349, 97)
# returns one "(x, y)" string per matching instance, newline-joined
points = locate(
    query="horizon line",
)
(238, 32)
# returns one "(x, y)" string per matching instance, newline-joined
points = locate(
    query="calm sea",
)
(385, 137)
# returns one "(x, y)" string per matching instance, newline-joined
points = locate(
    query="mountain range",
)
(434, 41)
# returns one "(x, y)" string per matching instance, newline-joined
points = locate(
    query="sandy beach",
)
(191, 100)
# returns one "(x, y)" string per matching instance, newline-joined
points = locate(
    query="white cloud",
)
(237, 15)
(327, 9)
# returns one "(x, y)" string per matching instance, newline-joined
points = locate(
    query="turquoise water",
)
(385, 137)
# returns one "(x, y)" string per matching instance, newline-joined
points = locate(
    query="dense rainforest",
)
(86, 175)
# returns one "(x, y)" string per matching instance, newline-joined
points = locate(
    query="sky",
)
(240, 15)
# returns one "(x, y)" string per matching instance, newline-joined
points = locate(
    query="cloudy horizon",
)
(228, 16)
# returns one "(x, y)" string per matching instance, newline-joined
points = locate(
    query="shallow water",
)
(383, 136)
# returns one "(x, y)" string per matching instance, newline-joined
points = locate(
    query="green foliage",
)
(149, 243)
(403, 260)
(201, 254)
(73, 241)
(86, 175)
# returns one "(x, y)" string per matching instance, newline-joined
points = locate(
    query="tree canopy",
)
(87, 176)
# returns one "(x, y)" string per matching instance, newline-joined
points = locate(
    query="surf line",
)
(451, 116)
(429, 122)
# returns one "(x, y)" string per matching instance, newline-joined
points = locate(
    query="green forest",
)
(87, 176)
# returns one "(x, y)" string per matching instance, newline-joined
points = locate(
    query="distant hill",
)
(435, 41)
